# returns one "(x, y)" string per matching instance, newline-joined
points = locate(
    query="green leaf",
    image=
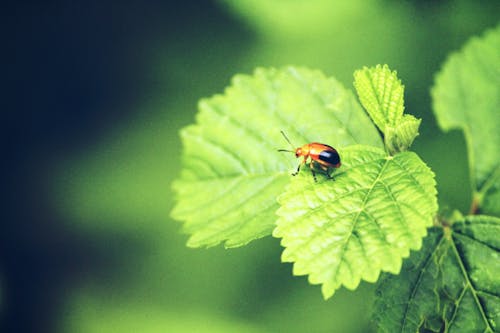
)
(365, 221)
(381, 93)
(466, 96)
(400, 137)
(451, 285)
(232, 172)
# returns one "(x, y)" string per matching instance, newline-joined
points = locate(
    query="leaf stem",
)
(476, 201)
(477, 197)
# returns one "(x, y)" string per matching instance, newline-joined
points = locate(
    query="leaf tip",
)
(327, 291)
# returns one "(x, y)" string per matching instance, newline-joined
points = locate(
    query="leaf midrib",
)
(469, 284)
(377, 97)
(355, 221)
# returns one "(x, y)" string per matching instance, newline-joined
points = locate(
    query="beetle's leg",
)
(298, 168)
(331, 175)
(326, 169)
(312, 171)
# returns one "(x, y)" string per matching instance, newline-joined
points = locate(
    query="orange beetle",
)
(319, 154)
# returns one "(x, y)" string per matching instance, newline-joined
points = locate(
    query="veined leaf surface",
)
(450, 285)
(365, 221)
(382, 95)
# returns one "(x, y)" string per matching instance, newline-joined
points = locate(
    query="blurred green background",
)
(95, 93)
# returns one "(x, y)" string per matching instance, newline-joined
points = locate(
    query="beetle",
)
(315, 154)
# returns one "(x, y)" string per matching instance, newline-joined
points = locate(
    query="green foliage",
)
(367, 220)
(381, 93)
(450, 285)
(466, 96)
(338, 232)
(232, 173)
(380, 203)
(114, 190)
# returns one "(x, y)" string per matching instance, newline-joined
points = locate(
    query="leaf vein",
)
(322, 103)
(242, 202)
(470, 285)
(222, 149)
(414, 289)
(354, 222)
(489, 246)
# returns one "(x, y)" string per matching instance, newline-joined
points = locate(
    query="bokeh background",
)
(93, 96)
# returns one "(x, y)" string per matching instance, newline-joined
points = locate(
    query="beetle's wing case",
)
(329, 156)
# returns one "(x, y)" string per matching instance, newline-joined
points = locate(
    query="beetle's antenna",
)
(287, 140)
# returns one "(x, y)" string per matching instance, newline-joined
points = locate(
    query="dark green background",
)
(93, 97)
